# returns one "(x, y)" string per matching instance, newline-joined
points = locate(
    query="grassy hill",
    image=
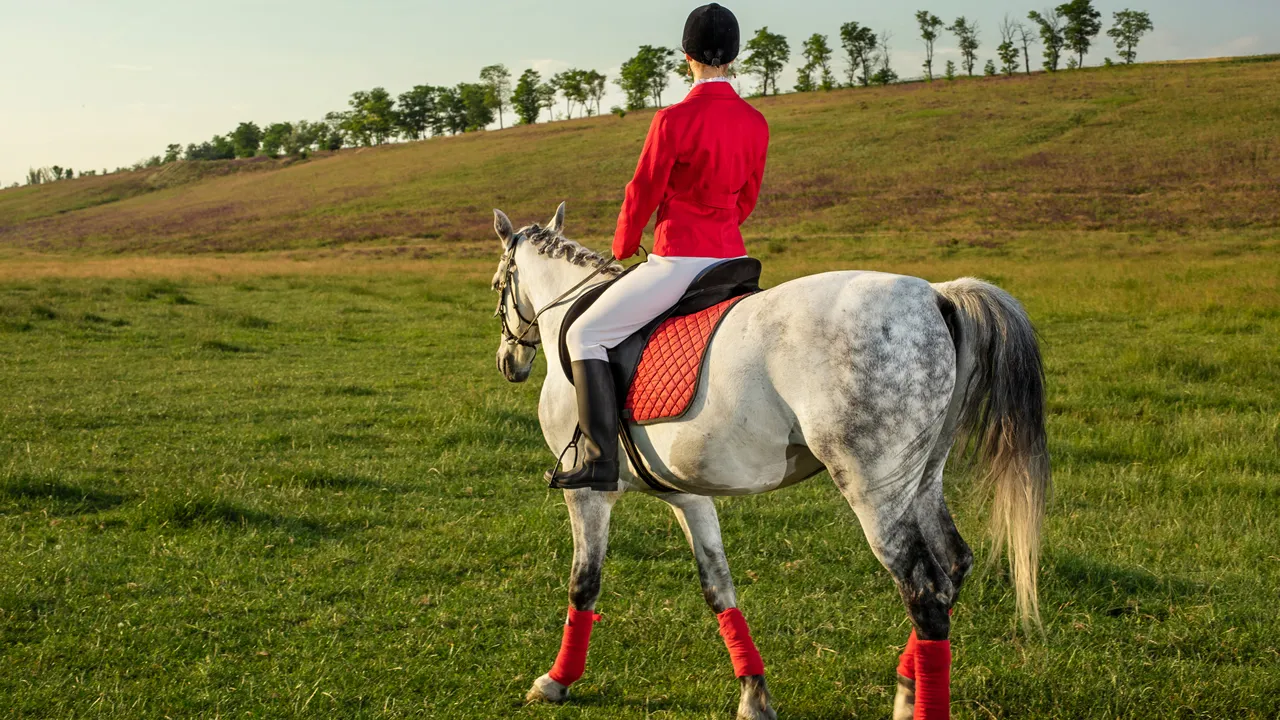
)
(1150, 148)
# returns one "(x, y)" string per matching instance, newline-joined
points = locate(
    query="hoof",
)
(546, 690)
(904, 703)
(755, 703)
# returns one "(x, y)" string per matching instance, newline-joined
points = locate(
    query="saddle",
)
(657, 370)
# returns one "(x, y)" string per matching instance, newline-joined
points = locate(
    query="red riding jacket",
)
(701, 170)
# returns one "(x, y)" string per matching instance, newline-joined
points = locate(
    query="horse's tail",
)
(1000, 401)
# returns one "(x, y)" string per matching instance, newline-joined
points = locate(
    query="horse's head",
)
(520, 335)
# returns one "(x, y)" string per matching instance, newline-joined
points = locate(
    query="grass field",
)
(290, 483)
(294, 489)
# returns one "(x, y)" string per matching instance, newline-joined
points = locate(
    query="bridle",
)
(507, 287)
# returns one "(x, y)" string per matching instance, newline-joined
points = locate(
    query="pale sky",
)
(93, 84)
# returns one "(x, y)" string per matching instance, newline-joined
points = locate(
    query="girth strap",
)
(637, 460)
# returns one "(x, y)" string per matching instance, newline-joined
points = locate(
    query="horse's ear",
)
(557, 223)
(502, 226)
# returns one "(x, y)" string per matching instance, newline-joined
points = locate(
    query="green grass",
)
(300, 492)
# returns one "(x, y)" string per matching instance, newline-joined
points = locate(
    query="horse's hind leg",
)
(697, 515)
(910, 531)
(589, 513)
(954, 555)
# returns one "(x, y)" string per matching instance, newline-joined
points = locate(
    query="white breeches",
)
(633, 302)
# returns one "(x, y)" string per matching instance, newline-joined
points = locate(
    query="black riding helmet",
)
(711, 35)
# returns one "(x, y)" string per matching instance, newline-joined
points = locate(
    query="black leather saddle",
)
(720, 282)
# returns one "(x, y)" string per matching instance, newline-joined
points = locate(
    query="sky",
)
(89, 84)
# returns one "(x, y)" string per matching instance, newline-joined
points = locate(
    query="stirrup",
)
(555, 483)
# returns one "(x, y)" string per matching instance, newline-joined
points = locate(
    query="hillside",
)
(1174, 147)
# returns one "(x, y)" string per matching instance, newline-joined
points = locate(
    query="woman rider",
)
(701, 169)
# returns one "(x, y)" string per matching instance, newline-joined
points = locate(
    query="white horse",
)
(873, 377)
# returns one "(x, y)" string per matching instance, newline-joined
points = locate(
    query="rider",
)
(701, 169)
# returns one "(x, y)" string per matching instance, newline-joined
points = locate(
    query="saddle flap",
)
(720, 282)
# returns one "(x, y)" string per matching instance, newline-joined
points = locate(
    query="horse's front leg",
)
(589, 513)
(697, 515)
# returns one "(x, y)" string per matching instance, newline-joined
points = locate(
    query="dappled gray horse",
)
(873, 377)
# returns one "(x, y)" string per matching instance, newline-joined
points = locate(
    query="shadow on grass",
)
(26, 492)
(224, 347)
(207, 511)
(351, 391)
(1116, 591)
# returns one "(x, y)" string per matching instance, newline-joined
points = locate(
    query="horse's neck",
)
(547, 279)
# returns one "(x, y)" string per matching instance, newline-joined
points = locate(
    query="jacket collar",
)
(713, 89)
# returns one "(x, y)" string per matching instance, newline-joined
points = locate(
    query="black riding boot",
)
(597, 452)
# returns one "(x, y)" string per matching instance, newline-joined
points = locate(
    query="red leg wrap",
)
(907, 662)
(933, 680)
(737, 637)
(572, 659)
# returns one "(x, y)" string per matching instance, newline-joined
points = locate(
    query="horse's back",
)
(795, 361)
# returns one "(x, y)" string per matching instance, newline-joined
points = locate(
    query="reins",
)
(508, 279)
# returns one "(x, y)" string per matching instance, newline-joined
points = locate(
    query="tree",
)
(1084, 23)
(172, 153)
(817, 55)
(417, 111)
(859, 44)
(246, 139)
(1051, 34)
(335, 136)
(594, 81)
(989, 69)
(1008, 57)
(547, 98)
(1024, 37)
(634, 83)
(572, 86)
(497, 82)
(884, 75)
(1130, 26)
(372, 119)
(929, 24)
(951, 70)
(663, 62)
(218, 148)
(477, 108)
(1008, 49)
(525, 100)
(274, 138)
(305, 135)
(645, 76)
(769, 53)
(967, 34)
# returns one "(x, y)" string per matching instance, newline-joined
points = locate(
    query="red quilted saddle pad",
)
(667, 375)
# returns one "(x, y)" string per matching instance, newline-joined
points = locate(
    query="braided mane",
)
(556, 245)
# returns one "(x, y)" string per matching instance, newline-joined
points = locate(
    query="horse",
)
(871, 376)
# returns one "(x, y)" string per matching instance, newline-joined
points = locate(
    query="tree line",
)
(374, 117)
